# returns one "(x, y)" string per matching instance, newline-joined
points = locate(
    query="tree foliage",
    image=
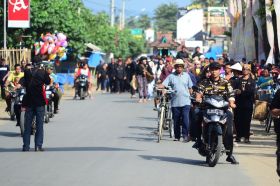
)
(166, 17)
(77, 22)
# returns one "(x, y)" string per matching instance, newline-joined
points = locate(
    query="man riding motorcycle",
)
(13, 77)
(216, 85)
(82, 70)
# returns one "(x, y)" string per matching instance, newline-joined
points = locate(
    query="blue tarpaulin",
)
(94, 59)
(214, 51)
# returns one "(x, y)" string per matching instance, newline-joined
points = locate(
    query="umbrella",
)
(93, 47)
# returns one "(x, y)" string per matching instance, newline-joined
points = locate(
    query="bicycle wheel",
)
(268, 122)
(160, 123)
(170, 124)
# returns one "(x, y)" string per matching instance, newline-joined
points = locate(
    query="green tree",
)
(166, 17)
(143, 21)
(76, 21)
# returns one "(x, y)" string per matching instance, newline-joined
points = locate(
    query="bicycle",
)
(165, 114)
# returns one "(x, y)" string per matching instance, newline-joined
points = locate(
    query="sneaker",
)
(133, 96)
(232, 160)
(176, 139)
(140, 101)
(187, 139)
(247, 140)
(39, 149)
(197, 144)
(237, 140)
(145, 100)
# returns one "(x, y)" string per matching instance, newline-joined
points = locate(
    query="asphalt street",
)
(108, 141)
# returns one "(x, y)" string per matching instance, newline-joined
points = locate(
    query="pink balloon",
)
(64, 44)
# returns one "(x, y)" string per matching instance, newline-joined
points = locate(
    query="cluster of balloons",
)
(52, 46)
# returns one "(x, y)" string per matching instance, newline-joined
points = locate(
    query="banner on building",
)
(18, 13)
(270, 32)
(277, 11)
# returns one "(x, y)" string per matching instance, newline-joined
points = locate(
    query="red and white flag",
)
(18, 13)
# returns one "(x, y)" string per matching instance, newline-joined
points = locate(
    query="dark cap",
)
(214, 65)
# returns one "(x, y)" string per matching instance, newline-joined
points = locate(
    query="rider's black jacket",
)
(221, 87)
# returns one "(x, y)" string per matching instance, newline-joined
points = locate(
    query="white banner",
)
(249, 37)
(258, 21)
(232, 12)
(277, 11)
(240, 50)
(270, 32)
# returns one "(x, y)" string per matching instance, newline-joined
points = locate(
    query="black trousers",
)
(277, 131)
(3, 95)
(55, 101)
(112, 83)
(228, 135)
(242, 120)
(120, 85)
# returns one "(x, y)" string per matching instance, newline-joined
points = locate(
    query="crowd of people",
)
(244, 82)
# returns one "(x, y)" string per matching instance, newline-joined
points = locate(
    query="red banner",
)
(18, 13)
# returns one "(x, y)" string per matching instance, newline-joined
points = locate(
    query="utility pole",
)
(123, 14)
(5, 24)
(112, 13)
(120, 21)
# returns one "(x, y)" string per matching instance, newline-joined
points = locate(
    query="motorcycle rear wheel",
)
(12, 111)
(215, 152)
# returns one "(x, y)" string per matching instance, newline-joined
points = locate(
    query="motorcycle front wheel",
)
(215, 150)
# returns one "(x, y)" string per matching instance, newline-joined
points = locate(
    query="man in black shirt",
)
(4, 73)
(111, 75)
(34, 102)
(275, 110)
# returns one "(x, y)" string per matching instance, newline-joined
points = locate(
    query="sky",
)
(133, 7)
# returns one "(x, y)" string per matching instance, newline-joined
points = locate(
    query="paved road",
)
(108, 141)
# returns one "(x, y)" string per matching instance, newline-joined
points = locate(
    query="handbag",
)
(261, 110)
(150, 77)
(134, 83)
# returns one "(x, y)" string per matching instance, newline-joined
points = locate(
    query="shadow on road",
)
(9, 134)
(72, 149)
(255, 154)
(125, 101)
(6, 119)
(148, 118)
(174, 160)
(147, 139)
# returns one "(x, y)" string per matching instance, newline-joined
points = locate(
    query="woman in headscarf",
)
(143, 73)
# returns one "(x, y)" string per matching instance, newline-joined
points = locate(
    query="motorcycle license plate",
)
(215, 111)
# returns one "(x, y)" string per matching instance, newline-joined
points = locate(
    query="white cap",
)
(201, 57)
(236, 66)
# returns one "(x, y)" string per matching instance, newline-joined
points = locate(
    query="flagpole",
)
(5, 24)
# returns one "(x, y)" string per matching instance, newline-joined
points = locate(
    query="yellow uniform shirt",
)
(13, 76)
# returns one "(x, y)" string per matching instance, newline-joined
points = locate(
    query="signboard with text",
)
(18, 13)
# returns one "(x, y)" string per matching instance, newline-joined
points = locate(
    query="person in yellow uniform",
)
(11, 84)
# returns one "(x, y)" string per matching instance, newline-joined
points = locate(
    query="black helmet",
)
(214, 65)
